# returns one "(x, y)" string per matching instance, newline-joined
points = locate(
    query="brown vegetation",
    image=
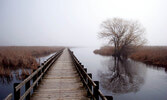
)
(105, 50)
(155, 55)
(17, 57)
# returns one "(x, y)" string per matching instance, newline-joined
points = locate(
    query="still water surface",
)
(126, 79)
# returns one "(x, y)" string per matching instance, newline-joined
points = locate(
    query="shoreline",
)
(151, 55)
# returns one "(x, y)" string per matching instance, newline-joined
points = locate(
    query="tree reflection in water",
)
(122, 76)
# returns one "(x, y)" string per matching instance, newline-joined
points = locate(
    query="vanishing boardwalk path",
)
(61, 82)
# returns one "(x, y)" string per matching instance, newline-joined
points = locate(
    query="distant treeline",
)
(155, 55)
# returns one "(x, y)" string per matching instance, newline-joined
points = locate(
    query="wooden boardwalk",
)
(61, 82)
(60, 77)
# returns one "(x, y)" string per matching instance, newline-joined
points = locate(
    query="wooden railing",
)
(91, 86)
(35, 77)
(9, 97)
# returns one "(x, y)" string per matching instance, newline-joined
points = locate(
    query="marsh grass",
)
(23, 56)
(13, 58)
(105, 50)
(154, 55)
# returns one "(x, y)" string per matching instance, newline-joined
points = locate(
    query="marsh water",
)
(124, 79)
(15, 75)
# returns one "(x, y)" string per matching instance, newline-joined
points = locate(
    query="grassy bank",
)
(155, 55)
(23, 56)
(105, 51)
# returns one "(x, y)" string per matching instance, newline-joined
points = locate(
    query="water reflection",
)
(121, 76)
(7, 74)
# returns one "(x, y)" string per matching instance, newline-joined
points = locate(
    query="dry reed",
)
(154, 55)
(16, 57)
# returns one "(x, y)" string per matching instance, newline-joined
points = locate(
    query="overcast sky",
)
(76, 22)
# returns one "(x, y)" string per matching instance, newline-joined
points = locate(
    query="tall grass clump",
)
(156, 55)
(105, 50)
(23, 56)
(19, 61)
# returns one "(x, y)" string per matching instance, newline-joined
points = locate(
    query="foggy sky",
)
(76, 22)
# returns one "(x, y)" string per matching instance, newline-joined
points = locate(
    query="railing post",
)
(27, 86)
(45, 61)
(95, 90)
(39, 73)
(16, 93)
(82, 66)
(81, 69)
(85, 74)
(44, 67)
(89, 84)
(34, 79)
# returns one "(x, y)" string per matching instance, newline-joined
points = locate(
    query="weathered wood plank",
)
(61, 82)
(9, 97)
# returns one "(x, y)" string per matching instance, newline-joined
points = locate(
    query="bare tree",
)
(125, 35)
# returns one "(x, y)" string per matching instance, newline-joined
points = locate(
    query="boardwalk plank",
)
(61, 82)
